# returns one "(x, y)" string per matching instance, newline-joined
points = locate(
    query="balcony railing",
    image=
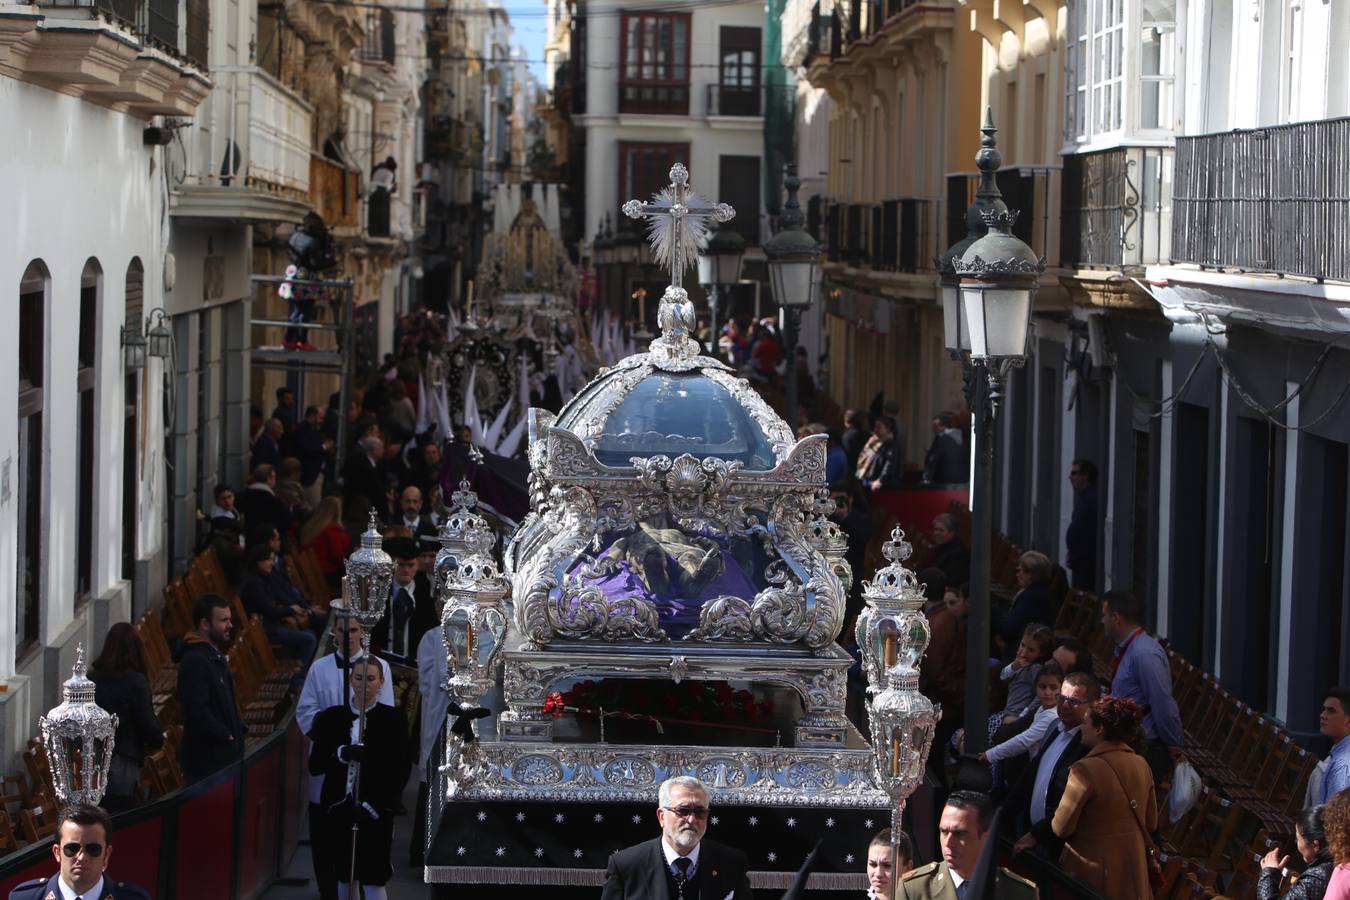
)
(825, 34)
(848, 233)
(907, 235)
(660, 98)
(893, 236)
(1026, 190)
(256, 136)
(1266, 200)
(381, 37)
(1117, 207)
(731, 100)
(155, 22)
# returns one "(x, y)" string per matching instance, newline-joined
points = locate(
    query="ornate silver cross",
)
(679, 220)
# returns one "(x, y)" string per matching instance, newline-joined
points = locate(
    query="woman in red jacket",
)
(323, 532)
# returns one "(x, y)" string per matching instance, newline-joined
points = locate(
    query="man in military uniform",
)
(83, 848)
(963, 831)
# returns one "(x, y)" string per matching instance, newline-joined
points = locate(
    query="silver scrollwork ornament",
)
(78, 737)
(370, 572)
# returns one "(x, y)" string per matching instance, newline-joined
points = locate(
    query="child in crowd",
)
(1049, 679)
(1037, 643)
(879, 874)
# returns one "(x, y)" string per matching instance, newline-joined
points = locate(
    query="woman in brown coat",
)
(1109, 804)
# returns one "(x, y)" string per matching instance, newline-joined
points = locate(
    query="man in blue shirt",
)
(1335, 724)
(1142, 673)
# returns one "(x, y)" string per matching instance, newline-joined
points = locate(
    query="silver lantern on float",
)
(452, 537)
(892, 634)
(473, 628)
(78, 737)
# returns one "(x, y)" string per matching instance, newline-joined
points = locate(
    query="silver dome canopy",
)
(669, 501)
(672, 401)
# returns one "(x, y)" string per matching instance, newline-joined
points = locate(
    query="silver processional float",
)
(677, 532)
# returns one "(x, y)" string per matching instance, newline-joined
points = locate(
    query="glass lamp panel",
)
(707, 268)
(728, 267)
(791, 280)
(951, 316)
(998, 320)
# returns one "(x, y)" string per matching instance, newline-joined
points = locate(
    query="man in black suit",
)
(259, 503)
(363, 482)
(412, 608)
(267, 448)
(410, 514)
(1036, 795)
(679, 865)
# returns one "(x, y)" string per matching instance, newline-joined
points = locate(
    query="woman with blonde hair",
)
(324, 533)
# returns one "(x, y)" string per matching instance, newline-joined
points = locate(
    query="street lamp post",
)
(794, 259)
(719, 264)
(627, 251)
(987, 281)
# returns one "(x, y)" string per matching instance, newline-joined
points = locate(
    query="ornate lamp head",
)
(892, 634)
(473, 625)
(459, 527)
(369, 573)
(891, 631)
(78, 738)
(902, 723)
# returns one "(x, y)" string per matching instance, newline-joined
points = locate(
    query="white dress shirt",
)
(68, 892)
(672, 854)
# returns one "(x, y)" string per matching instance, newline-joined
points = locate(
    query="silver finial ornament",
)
(78, 737)
(370, 572)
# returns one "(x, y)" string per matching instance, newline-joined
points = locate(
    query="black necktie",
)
(403, 610)
(682, 865)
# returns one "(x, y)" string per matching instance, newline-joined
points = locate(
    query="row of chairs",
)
(1255, 775)
(205, 575)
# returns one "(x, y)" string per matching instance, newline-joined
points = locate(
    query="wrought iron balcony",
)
(897, 235)
(1117, 207)
(1025, 189)
(733, 100)
(154, 22)
(1266, 200)
(381, 37)
(659, 98)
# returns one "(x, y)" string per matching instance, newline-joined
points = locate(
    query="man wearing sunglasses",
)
(83, 849)
(680, 864)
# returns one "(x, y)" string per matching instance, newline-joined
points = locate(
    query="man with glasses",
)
(680, 864)
(1037, 794)
(83, 848)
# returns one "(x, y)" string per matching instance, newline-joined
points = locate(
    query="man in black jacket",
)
(213, 736)
(1037, 793)
(679, 865)
(412, 608)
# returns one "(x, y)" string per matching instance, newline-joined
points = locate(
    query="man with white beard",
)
(680, 864)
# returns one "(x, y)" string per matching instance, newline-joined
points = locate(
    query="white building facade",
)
(82, 476)
(665, 86)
